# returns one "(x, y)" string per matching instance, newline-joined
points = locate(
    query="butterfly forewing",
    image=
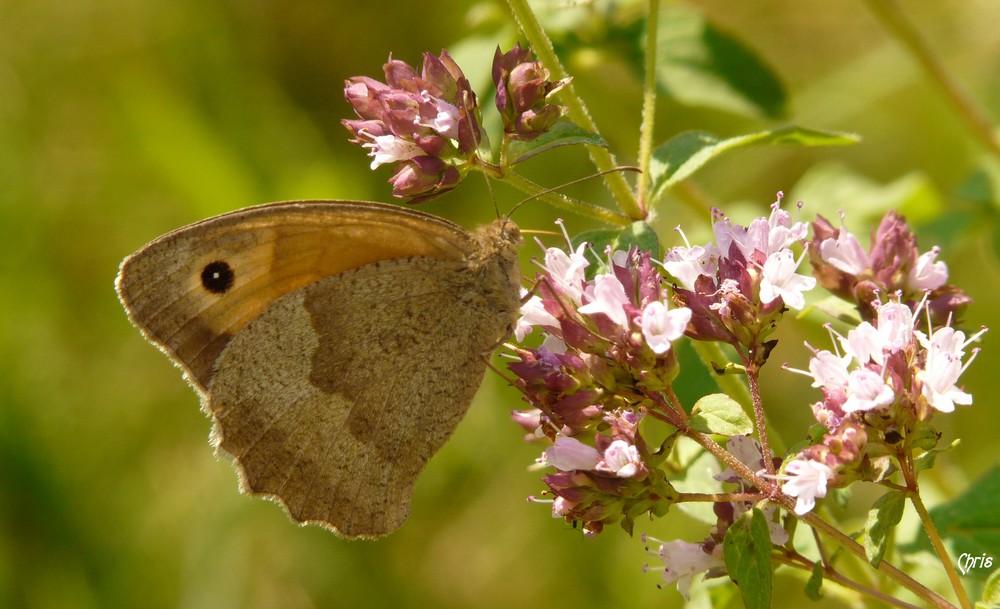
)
(269, 250)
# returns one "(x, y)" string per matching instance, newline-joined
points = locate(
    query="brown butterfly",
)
(336, 344)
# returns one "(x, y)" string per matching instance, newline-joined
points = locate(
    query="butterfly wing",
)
(336, 344)
(193, 289)
(335, 398)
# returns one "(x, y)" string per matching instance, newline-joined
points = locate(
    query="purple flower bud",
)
(522, 87)
(423, 177)
(894, 264)
(427, 122)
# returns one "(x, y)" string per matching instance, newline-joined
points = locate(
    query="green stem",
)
(557, 199)
(648, 106)
(884, 566)
(935, 537)
(603, 160)
(974, 117)
(798, 561)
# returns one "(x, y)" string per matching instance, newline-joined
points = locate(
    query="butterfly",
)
(335, 344)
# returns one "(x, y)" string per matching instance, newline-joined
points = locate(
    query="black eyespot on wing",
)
(218, 277)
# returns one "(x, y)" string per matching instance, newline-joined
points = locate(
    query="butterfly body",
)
(336, 344)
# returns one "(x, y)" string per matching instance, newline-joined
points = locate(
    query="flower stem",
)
(717, 497)
(884, 566)
(711, 353)
(935, 537)
(646, 129)
(603, 160)
(798, 561)
(759, 418)
(771, 490)
(975, 119)
(562, 201)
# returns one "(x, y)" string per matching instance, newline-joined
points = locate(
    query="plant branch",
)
(556, 199)
(711, 353)
(798, 561)
(884, 566)
(648, 106)
(774, 493)
(603, 160)
(760, 420)
(942, 552)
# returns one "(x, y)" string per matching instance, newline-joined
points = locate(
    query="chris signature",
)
(967, 562)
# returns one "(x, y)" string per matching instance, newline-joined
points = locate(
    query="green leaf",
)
(991, 592)
(747, 552)
(563, 133)
(815, 582)
(970, 523)
(700, 65)
(638, 234)
(720, 414)
(926, 460)
(883, 517)
(679, 157)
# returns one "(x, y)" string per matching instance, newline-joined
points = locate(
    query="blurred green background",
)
(121, 120)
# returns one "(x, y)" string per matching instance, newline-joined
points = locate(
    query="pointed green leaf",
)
(882, 519)
(700, 65)
(720, 414)
(970, 523)
(563, 133)
(815, 582)
(747, 552)
(682, 155)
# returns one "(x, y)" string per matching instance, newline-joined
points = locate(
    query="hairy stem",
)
(717, 497)
(932, 533)
(648, 106)
(935, 599)
(798, 561)
(760, 421)
(774, 493)
(711, 353)
(603, 160)
(560, 200)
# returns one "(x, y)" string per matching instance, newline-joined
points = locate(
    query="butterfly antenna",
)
(571, 183)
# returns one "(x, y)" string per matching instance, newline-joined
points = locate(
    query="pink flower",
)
(780, 280)
(686, 264)
(683, 560)
(865, 344)
(942, 367)
(621, 459)
(386, 149)
(805, 480)
(866, 390)
(567, 270)
(568, 454)
(927, 274)
(829, 370)
(895, 326)
(845, 253)
(661, 326)
(533, 314)
(608, 298)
